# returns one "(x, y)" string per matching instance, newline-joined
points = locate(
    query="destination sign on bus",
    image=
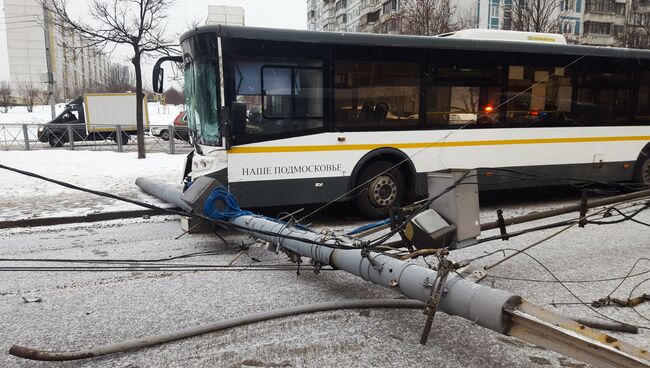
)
(291, 169)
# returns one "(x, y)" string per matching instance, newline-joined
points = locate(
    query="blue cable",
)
(231, 208)
(369, 226)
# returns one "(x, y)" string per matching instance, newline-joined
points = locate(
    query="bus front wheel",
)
(643, 170)
(381, 186)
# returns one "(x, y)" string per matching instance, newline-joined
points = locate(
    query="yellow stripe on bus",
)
(368, 147)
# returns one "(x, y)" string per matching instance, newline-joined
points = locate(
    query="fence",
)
(21, 137)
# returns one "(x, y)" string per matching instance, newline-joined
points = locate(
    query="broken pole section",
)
(495, 309)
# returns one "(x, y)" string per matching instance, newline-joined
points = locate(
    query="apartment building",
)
(75, 68)
(592, 22)
(228, 15)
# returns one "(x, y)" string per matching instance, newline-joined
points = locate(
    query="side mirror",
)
(159, 79)
(159, 73)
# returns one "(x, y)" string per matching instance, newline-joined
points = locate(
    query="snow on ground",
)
(85, 309)
(25, 197)
(158, 114)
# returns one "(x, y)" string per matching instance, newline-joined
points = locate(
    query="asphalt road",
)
(84, 309)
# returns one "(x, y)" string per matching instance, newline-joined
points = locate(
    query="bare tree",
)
(174, 96)
(5, 96)
(636, 32)
(28, 94)
(137, 24)
(535, 15)
(120, 79)
(427, 17)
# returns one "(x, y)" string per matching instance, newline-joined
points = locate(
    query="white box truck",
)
(96, 116)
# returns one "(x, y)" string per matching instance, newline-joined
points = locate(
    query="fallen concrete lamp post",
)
(491, 308)
(495, 309)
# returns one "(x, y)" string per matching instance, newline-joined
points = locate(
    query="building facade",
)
(228, 15)
(75, 68)
(591, 22)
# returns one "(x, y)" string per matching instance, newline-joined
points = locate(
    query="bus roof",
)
(425, 42)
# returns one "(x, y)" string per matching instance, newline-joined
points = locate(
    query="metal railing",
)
(27, 137)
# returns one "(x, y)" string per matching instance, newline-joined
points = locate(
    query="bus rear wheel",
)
(382, 187)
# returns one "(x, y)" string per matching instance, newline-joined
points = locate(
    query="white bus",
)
(285, 117)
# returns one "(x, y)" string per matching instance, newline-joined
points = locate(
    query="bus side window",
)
(463, 96)
(642, 113)
(538, 96)
(280, 99)
(308, 93)
(276, 92)
(603, 95)
(376, 95)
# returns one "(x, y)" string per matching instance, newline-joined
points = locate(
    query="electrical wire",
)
(222, 223)
(581, 302)
(444, 138)
(147, 341)
(630, 297)
(567, 281)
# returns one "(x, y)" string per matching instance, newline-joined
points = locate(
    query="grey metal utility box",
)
(460, 205)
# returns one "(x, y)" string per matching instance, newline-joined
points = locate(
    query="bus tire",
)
(382, 187)
(643, 169)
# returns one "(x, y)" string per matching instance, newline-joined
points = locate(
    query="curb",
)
(93, 217)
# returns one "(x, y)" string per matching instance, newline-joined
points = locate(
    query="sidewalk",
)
(24, 197)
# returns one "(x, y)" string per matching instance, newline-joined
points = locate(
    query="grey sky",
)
(259, 13)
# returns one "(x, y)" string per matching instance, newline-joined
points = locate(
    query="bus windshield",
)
(201, 90)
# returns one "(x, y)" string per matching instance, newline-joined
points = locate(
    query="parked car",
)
(94, 116)
(180, 128)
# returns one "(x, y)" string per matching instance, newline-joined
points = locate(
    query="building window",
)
(619, 29)
(619, 9)
(567, 27)
(390, 6)
(566, 5)
(494, 10)
(604, 6)
(598, 28)
(578, 6)
(372, 17)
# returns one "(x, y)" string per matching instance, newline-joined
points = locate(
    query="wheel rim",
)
(382, 191)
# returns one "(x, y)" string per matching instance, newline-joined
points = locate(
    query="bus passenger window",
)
(376, 95)
(642, 113)
(463, 96)
(280, 99)
(538, 96)
(276, 92)
(603, 97)
(308, 89)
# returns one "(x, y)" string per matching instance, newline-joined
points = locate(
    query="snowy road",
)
(88, 308)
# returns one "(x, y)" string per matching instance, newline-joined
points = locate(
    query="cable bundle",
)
(231, 208)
